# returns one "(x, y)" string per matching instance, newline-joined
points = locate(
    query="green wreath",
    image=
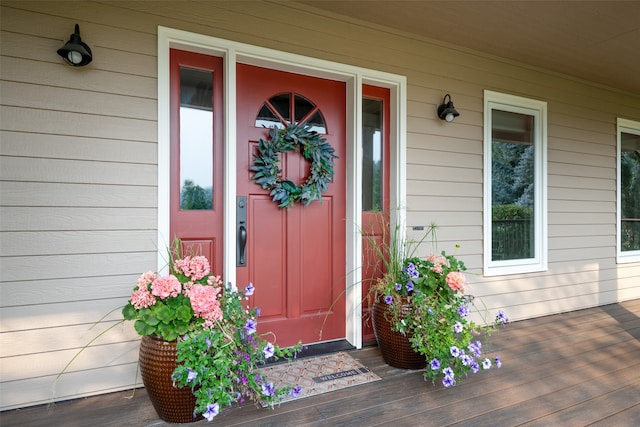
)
(313, 148)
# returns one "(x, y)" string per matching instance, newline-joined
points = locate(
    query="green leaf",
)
(168, 332)
(289, 186)
(165, 314)
(149, 317)
(184, 313)
(129, 312)
(143, 328)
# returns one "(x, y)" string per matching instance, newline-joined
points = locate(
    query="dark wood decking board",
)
(574, 369)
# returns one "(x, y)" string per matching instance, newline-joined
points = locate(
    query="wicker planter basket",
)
(395, 348)
(157, 362)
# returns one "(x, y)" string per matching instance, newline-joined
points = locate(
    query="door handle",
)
(242, 243)
(241, 228)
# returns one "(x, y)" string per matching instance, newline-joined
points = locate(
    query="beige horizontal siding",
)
(102, 379)
(71, 195)
(78, 165)
(49, 361)
(34, 95)
(73, 242)
(75, 265)
(71, 218)
(60, 290)
(20, 119)
(89, 148)
(77, 171)
(73, 336)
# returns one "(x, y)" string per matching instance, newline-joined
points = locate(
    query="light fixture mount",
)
(446, 110)
(75, 52)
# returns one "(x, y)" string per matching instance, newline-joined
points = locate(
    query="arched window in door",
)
(285, 108)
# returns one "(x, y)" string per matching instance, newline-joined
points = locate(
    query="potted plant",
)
(200, 349)
(421, 313)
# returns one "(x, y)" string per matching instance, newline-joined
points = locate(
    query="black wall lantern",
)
(446, 110)
(75, 52)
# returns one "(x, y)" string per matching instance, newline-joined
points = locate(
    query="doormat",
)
(321, 374)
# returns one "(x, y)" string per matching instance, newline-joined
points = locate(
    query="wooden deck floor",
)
(575, 369)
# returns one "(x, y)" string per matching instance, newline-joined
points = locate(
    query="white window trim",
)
(627, 126)
(539, 110)
(354, 77)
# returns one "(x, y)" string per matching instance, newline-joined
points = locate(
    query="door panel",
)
(295, 256)
(267, 230)
(315, 248)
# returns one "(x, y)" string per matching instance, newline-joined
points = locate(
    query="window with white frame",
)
(515, 205)
(628, 212)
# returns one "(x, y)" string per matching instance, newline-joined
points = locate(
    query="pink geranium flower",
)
(194, 267)
(166, 286)
(204, 301)
(142, 298)
(456, 281)
(145, 279)
(438, 263)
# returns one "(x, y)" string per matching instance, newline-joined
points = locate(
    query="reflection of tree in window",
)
(195, 197)
(630, 192)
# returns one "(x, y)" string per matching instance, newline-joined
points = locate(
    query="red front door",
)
(294, 257)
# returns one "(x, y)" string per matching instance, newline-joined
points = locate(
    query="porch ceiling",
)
(597, 41)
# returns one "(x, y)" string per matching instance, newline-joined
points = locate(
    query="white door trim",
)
(354, 77)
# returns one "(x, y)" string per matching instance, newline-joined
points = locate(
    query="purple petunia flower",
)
(295, 392)
(250, 327)
(268, 389)
(475, 367)
(411, 270)
(212, 411)
(448, 381)
(435, 364)
(498, 362)
(486, 364)
(466, 360)
(268, 350)
(476, 348)
(457, 328)
(410, 286)
(448, 372)
(192, 375)
(463, 311)
(388, 299)
(208, 342)
(398, 286)
(248, 291)
(455, 351)
(502, 318)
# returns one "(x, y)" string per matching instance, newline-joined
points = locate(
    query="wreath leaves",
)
(313, 147)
